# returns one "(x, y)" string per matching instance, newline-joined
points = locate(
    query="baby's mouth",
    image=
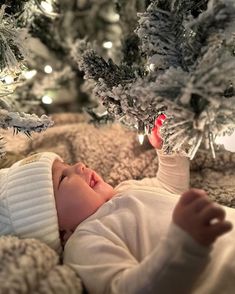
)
(92, 181)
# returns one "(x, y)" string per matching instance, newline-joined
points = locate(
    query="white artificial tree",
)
(189, 74)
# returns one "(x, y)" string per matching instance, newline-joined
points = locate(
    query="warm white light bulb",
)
(152, 66)
(115, 17)
(47, 6)
(141, 138)
(48, 69)
(29, 74)
(108, 45)
(9, 79)
(47, 99)
(227, 141)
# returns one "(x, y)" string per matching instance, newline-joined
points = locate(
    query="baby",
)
(139, 237)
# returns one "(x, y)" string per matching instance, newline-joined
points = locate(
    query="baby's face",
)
(79, 192)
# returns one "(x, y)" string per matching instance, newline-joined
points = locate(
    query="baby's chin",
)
(104, 189)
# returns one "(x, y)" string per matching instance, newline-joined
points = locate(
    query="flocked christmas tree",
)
(179, 60)
(13, 53)
(188, 74)
(36, 39)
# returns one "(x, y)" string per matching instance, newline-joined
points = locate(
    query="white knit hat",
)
(27, 205)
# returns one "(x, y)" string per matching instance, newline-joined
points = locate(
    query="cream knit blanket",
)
(29, 266)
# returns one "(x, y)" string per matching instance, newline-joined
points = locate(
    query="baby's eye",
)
(61, 178)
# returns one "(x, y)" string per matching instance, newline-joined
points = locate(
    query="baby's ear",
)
(64, 236)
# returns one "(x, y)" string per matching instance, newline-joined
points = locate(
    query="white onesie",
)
(130, 244)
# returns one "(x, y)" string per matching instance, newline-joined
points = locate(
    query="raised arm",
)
(173, 170)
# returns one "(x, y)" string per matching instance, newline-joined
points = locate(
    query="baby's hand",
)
(200, 217)
(155, 138)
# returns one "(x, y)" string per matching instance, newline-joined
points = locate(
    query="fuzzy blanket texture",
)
(27, 266)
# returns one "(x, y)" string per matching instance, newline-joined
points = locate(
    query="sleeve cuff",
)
(173, 172)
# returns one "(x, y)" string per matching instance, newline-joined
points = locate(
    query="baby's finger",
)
(191, 195)
(220, 228)
(160, 119)
(211, 212)
(155, 140)
(200, 203)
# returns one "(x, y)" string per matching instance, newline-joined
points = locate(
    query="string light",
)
(141, 138)
(47, 6)
(48, 69)
(47, 99)
(151, 67)
(115, 17)
(9, 80)
(227, 141)
(108, 45)
(29, 74)
(141, 132)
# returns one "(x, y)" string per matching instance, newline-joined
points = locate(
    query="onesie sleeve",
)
(105, 265)
(173, 173)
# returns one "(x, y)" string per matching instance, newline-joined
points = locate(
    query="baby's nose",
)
(79, 167)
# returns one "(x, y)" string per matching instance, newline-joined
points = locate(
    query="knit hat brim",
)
(27, 200)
